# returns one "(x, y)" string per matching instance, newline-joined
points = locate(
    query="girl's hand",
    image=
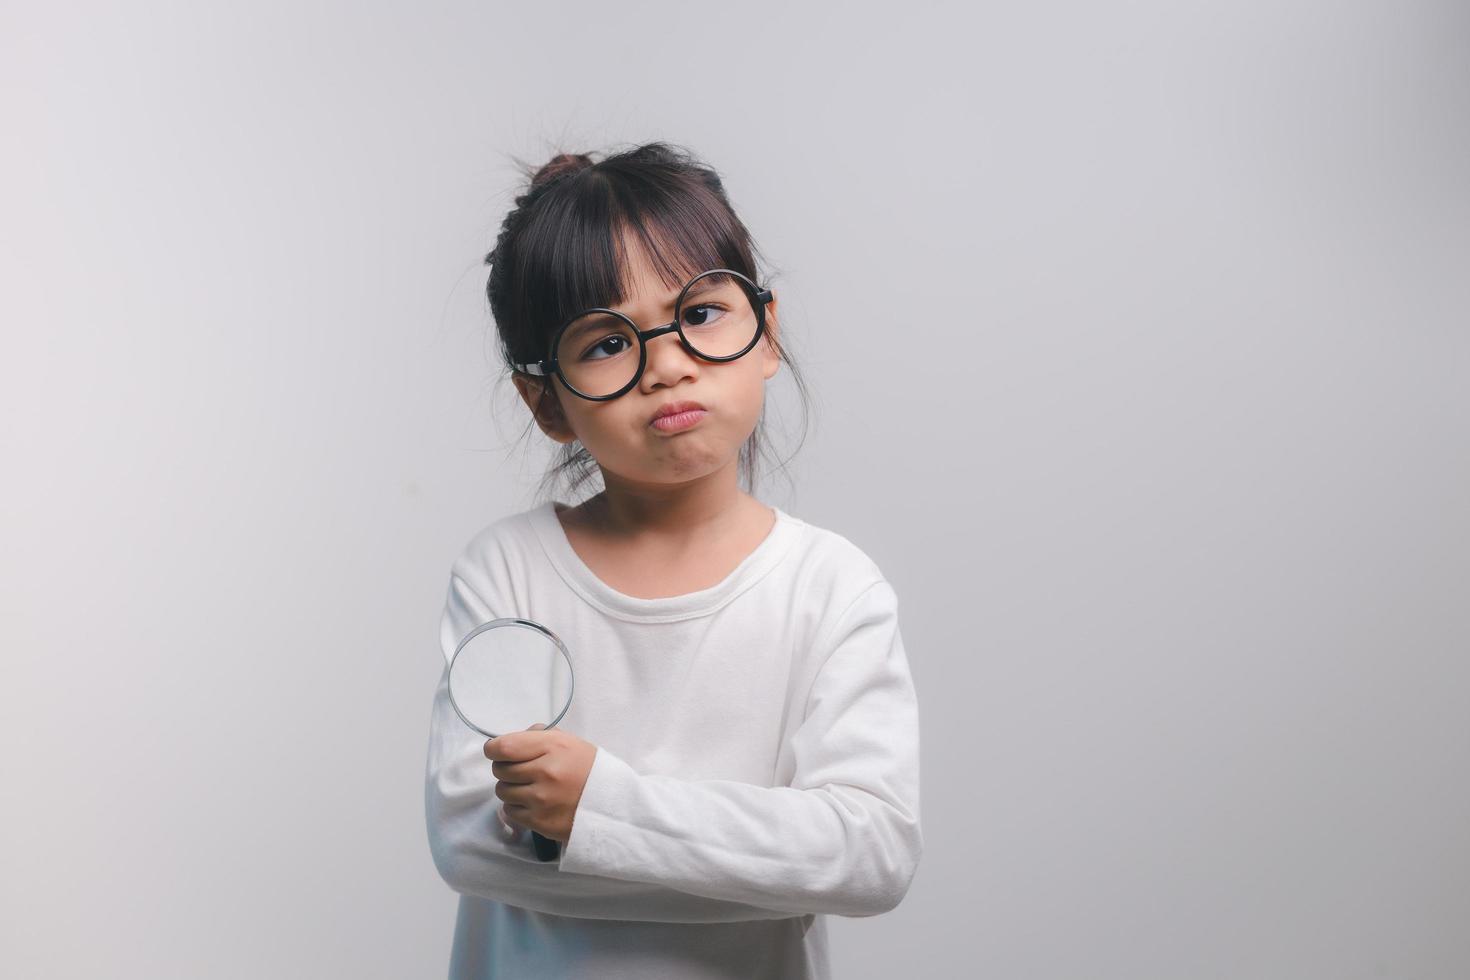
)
(540, 777)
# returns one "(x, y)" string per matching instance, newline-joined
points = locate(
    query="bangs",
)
(573, 255)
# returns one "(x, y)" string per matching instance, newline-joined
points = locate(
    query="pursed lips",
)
(677, 408)
(677, 416)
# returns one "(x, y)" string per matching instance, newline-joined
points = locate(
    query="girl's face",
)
(619, 433)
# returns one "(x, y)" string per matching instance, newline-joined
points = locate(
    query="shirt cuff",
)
(609, 786)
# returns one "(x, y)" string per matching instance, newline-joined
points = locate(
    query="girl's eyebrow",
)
(668, 305)
(704, 285)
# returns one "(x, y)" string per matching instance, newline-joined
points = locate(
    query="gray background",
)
(1139, 339)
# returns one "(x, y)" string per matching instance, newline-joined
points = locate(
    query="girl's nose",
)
(668, 363)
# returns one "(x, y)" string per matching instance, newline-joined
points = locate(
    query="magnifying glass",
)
(507, 675)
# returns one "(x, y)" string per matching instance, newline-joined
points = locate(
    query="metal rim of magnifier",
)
(511, 621)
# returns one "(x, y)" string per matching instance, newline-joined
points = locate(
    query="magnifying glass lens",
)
(508, 675)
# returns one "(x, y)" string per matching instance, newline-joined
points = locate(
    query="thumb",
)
(536, 727)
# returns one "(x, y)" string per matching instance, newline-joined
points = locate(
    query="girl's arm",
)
(842, 838)
(477, 856)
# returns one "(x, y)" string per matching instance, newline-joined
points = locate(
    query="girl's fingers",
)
(512, 833)
(509, 772)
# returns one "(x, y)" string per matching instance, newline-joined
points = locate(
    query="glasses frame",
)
(759, 299)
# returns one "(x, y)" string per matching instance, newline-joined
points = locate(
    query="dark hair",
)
(560, 251)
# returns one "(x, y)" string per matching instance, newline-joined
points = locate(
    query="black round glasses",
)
(600, 353)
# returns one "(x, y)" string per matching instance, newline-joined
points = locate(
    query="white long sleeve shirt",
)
(757, 764)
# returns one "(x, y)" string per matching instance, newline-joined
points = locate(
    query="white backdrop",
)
(1139, 339)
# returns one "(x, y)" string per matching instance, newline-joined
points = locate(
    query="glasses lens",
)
(598, 353)
(717, 316)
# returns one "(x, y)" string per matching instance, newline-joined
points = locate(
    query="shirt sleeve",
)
(476, 854)
(842, 838)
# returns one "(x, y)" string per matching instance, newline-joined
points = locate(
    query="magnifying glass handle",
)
(546, 848)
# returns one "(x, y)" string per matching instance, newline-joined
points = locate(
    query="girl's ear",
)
(771, 360)
(541, 398)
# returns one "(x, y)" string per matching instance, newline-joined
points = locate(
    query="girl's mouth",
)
(680, 421)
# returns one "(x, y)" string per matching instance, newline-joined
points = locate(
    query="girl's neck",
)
(710, 505)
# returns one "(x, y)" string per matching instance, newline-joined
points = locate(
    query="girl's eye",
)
(703, 315)
(609, 346)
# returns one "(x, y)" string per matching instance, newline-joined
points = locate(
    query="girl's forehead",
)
(644, 285)
(667, 265)
(649, 284)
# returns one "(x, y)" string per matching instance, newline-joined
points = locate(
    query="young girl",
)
(741, 755)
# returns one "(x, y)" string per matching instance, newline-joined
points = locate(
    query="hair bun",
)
(559, 165)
